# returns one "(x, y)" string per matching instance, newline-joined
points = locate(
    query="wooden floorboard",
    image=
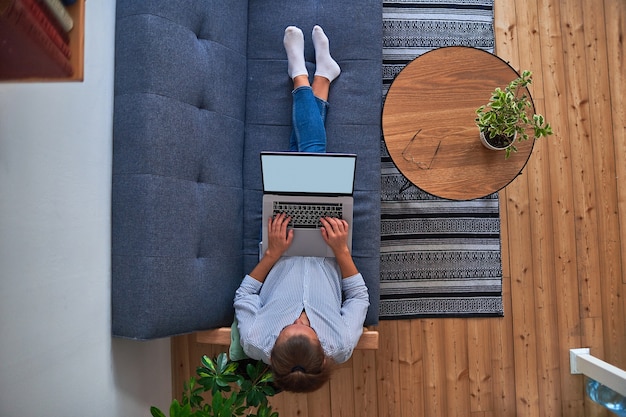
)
(563, 228)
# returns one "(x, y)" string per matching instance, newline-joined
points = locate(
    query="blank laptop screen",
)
(292, 172)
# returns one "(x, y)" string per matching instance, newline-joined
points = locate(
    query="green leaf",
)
(176, 410)
(207, 382)
(223, 407)
(174, 407)
(269, 391)
(251, 371)
(208, 363)
(253, 399)
(267, 377)
(239, 411)
(231, 368)
(221, 382)
(156, 412)
(217, 401)
(222, 361)
(230, 377)
(246, 385)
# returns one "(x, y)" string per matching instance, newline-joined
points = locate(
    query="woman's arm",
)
(263, 268)
(353, 313)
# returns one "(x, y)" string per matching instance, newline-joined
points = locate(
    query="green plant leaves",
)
(234, 393)
(217, 375)
(506, 113)
(265, 411)
(178, 410)
(192, 393)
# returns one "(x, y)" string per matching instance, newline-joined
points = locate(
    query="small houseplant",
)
(234, 391)
(505, 118)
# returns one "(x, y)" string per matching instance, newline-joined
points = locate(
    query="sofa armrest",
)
(221, 337)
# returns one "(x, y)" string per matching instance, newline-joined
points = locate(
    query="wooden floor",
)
(563, 247)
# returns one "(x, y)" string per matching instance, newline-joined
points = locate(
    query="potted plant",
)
(234, 391)
(506, 117)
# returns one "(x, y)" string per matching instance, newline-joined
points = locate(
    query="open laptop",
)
(318, 182)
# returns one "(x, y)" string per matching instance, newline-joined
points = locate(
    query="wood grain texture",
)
(563, 228)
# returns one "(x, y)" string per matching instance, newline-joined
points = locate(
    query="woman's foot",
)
(325, 65)
(294, 46)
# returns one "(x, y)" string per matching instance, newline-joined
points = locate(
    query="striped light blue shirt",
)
(302, 283)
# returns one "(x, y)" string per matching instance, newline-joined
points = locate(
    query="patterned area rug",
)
(439, 258)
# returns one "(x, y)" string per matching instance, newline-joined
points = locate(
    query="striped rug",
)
(439, 258)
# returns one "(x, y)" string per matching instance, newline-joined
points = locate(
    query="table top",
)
(429, 124)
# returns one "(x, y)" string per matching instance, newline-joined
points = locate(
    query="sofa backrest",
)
(180, 70)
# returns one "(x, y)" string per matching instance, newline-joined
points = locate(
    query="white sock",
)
(325, 65)
(294, 46)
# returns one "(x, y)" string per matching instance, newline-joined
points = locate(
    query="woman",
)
(302, 315)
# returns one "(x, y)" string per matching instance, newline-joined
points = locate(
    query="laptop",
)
(299, 182)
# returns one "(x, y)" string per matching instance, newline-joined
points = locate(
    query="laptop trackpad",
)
(309, 245)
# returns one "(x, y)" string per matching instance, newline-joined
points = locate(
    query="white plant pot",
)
(488, 145)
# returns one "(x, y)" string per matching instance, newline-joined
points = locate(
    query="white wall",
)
(57, 357)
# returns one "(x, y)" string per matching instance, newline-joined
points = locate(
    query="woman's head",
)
(298, 360)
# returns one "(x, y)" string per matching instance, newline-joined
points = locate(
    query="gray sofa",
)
(201, 87)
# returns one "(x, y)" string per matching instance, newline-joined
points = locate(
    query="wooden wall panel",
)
(563, 228)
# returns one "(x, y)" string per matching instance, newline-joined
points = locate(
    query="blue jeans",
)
(308, 118)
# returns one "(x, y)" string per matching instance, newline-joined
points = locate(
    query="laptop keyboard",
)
(307, 215)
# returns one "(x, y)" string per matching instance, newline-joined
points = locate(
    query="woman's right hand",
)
(335, 233)
(279, 236)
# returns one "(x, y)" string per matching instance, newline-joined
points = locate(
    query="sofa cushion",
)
(353, 121)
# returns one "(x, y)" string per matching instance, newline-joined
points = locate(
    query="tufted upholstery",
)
(200, 89)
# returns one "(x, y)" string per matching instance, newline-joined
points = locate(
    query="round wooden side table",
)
(429, 128)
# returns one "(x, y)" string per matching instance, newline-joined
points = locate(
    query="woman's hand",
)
(335, 234)
(278, 240)
(279, 236)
